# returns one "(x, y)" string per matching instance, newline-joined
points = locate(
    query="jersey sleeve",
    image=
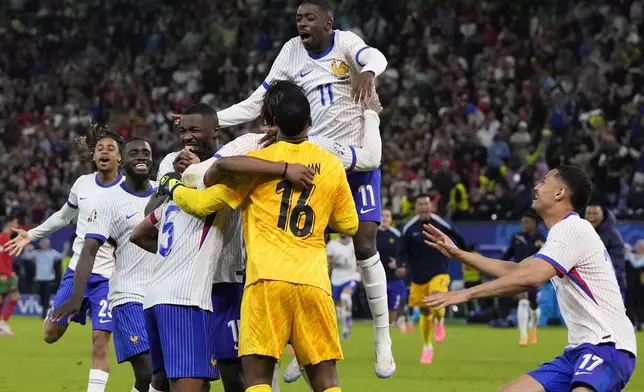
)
(559, 251)
(165, 166)
(100, 224)
(60, 218)
(230, 192)
(347, 154)
(193, 176)
(363, 56)
(155, 216)
(241, 145)
(72, 199)
(344, 217)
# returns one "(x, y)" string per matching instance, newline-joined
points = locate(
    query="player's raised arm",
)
(369, 60)
(250, 108)
(344, 217)
(145, 235)
(491, 267)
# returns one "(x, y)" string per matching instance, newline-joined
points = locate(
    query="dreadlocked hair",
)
(96, 132)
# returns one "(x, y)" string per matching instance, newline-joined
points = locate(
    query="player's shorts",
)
(226, 306)
(365, 187)
(10, 285)
(396, 292)
(336, 291)
(94, 302)
(274, 312)
(417, 292)
(181, 341)
(602, 367)
(130, 335)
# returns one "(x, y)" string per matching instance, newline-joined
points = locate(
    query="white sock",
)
(154, 390)
(523, 316)
(374, 280)
(275, 386)
(97, 380)
(347, 304)
(428, 347)
(534, 317)
(136, 390)
(339, 312)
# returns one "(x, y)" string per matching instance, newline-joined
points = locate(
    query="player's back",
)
(85, 193)
(284, 226)
(587, 289)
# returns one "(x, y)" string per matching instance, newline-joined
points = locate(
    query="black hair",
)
(135, 139)
(201, 108)
(578, 183)
(323, 5)
(96, 132)
(289, 108)
(422, 196)
(273, 96)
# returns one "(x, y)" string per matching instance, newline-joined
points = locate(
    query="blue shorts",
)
(396, 291)
(94, 302)
(602, 367)
(365, 187)
(533, 297)
(130, 335)
(226, 306)
(336, 291)
(181, 342)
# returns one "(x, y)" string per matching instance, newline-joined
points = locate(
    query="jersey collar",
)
(327, 51)
(115, 182)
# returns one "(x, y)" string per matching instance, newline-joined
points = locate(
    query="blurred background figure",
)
(635, 279)
(47, 262)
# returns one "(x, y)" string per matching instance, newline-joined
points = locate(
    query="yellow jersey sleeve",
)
(344, 217)
(230, 192)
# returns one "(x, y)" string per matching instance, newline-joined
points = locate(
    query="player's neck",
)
(551, 218)
(328, 41)
(297, 139)
(107, 177)
(137, 185)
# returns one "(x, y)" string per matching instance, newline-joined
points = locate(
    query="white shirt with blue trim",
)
(587, 291)
(114, 218)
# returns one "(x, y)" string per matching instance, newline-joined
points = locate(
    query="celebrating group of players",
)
(164, 270)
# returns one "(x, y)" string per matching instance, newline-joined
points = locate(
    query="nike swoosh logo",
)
(303, 74)
(129, 216)
(363, 211)
(103, 321)
(83, 198)
(578, 373)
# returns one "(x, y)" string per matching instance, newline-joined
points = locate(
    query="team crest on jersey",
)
(213, 362)
(92, 216)
(337, 147)
(134, 339)
(340, 69)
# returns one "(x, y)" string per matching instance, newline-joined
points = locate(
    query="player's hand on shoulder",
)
(364, 86)
(169, 184)
(270, 136)
(185, 158)
(372, 102)
(16, 245)
(440, 241)
(299, 175)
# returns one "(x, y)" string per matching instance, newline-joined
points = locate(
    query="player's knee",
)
(160, 382)
(364, 241)
(51, 332)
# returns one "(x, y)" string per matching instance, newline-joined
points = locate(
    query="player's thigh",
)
(266, 318)
(322, 376)
(100, 344)
(416, 294)
(258, 369)
(186, 342)
(439, 283)
(602, 367)
(349, 288)
(525, 383)
(226, 315)
(96, 294)
(315, 335)
(130, 334)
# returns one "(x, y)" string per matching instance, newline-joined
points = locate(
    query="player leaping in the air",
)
(336, 68)
(119, 211)
(105, 147)
(601, 342)
(287, 293)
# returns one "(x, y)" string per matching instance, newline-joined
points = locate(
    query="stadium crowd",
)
(480, 98)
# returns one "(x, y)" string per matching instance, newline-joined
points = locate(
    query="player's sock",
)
(334, 389)
(534, 318)
(275, 386)
(97, 380)
(347, 303)
(8, 309)
(374, 280)
(523, 316)
(426, 328)
(339, 312)
(152, 389)
(259, 388)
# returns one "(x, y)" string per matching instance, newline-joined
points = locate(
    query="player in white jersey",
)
(601, 350)
(120, 210)
(344, 279)
(105, 147)
(334, 68)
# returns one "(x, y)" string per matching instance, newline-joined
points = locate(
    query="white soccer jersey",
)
(118, 213)
(166, 166)
(328, 80)
(587, 290)
(346, 268)
(85, 194)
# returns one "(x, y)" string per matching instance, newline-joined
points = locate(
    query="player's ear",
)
(560, 193)
(215, 131)
(329, 24)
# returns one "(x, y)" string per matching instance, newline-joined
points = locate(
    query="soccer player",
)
(327, 63)
(524, 244)
(287, 293)
(429, 272)
(388, 241)
(113, 219)
(9, 294)
(105, 149)
(344, 277)
(601, 350)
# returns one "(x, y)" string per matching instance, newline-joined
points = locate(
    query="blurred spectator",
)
(46, 261)
(635, 276)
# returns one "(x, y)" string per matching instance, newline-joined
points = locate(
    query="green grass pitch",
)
(472, 358)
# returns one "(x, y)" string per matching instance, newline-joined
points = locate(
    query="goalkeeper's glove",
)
(169, 183)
